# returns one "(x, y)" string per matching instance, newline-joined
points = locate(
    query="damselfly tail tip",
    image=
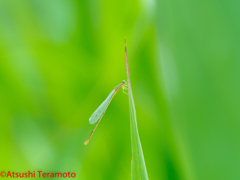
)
(86, 142)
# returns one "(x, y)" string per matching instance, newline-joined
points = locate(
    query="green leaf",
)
(139, 171)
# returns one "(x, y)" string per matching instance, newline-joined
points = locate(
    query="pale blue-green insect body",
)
(101, 109)
(97, 115)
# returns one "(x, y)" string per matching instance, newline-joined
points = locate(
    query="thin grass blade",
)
(139, 171)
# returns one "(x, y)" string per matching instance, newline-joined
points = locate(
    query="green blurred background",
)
(59, 59)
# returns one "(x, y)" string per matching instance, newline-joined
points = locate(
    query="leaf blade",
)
(138, 167)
